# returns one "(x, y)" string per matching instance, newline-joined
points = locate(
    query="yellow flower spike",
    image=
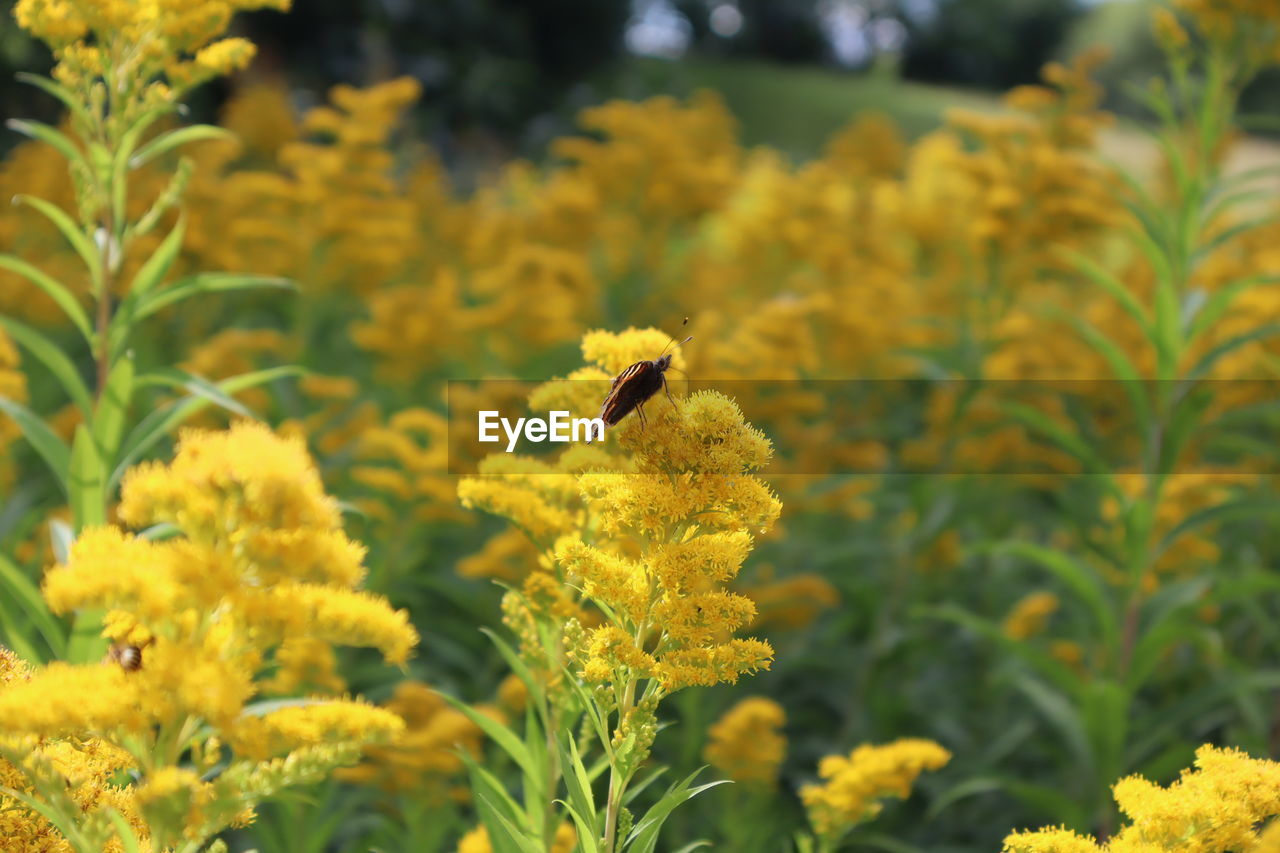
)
(109, 569)
(1216, 806)
(230, 480)
(423, 757)
(612, 352)
(312, 724)
(1030, 615)
(340, 616)
(855, 784)
(746, 743)
(305, 663)
(1051, 841)
(62, 699)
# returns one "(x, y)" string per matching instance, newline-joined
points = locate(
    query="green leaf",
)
(175, 138)
(51, 136)
(165, 420)
(87, 476)
(1226, 235)
(1050, 429)
(1064, 717)
(209, 282)
(506, 739)
(161, 261)
(1085, 583)
(499, 813)
(1102, 277)
(1168, 623)
(17, 587)
(1121, 365)
(62, 93)
(588, 835)
(51, 356)
(124, 152)
(1105, 712)
(55, 290)
(694, 845)
(518, 666)
(578, 783)
(635, 789)
(13, 633)
(113, 408)
(51, 448)
(1174, 717)
(173, 377)
(61, 220)
(1243, 508)
(644, 835)
(1209, 359)
(124, 831)
(1220, 301)
(1043, 663)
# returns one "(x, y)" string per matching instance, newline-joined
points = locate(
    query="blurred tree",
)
(782, 30)
(485, 65)
(990, 43)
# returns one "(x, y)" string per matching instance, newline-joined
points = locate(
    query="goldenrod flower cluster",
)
(1219, 806)
(746, 744)
(1030, 615)
(259, 566)
(424, 758)
(132, 43)
(689, 510)
(86, 767)
(856, 784)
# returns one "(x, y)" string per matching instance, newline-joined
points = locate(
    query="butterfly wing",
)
(624, 393)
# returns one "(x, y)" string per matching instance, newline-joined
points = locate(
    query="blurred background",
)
(501, 78)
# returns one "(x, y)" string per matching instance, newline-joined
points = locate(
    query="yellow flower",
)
(1050, 841)
(1030, 615)
(746, 743)
(423, 757)
(311, 723)
(856, 784)
(477, 840)
(1215, 807)
(224, 56)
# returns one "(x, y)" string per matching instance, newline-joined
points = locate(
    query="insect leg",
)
(667, 389)
(640, 411)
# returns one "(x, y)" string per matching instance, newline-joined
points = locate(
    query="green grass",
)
(796, 109)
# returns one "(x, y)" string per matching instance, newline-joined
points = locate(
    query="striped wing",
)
(624, 392)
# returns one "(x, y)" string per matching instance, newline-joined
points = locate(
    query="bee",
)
(128, 656)
(633, 387)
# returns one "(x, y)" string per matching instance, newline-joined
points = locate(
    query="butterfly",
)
(633, 387)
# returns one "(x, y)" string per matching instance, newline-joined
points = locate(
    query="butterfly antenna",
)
(672, 342)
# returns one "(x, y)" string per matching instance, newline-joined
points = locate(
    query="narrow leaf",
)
(165, 420)
(175, 138)
(46, 443)
(54, 289)
(51, 356)
(21, 590)
(61, 220)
